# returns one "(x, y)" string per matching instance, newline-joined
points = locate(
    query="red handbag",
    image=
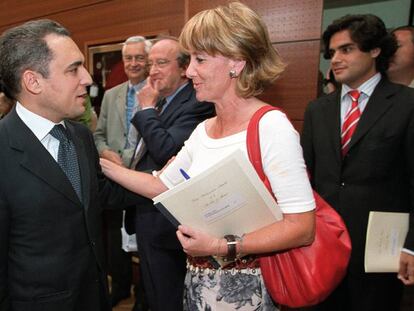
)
(306, 275)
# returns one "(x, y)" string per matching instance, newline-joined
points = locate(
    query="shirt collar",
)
(171, 97)
(366, 88)
(138, 86)
(37, 124)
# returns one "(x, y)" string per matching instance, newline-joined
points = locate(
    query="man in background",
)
(401, 68)
(358, 147)
(6, 104)
(118, 106)
(169, 113)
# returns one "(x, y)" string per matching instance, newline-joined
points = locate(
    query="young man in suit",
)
(51, 252)
(169, 113)
(118, 105)
(359, 150)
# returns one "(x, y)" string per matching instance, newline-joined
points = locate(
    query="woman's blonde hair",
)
(237, 32)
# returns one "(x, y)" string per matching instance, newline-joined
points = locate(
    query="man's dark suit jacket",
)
(159, 248)
(51, 253)
(377, 174)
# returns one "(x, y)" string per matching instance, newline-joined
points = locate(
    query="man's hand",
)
(406, 272)
(111, 156)
(148, 95)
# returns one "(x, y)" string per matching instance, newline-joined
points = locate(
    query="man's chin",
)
(392, 68)
(76, 115)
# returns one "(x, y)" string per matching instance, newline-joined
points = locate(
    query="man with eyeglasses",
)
(169, 113)
(118, 106)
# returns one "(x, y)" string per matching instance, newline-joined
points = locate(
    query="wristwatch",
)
(231, 247)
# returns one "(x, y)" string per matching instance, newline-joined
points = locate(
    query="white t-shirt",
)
(281, 156)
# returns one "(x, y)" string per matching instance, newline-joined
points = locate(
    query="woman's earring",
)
(233, 74)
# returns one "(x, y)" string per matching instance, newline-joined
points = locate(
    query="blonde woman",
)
(232, 61)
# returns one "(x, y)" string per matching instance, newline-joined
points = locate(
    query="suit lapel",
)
(179, 99)
(377, 105)
(121, 101)
(83, 164)
(36, 159)
(173, 108)
(333, 125)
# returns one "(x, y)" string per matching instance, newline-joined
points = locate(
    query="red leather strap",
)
(253, 143)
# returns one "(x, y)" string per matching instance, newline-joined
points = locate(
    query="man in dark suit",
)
(169, 113)
(51, 254)
(371, 169)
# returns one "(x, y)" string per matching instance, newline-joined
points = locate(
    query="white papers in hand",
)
(386, 233)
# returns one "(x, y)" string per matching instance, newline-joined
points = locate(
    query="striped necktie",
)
(130, 106)
(350, 121)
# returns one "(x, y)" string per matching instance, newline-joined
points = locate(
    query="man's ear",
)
(31, 82)
(375, 52)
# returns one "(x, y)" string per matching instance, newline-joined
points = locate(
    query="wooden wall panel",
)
(115, 20)
(126, 18)
(287, 20)
(290, 20)
(15, 11)
(298, 83)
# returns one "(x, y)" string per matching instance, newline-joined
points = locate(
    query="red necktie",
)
(350, 122)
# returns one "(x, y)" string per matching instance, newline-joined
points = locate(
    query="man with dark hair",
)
(358, 146)
(169, 113)
(51, 253)
(401, 68)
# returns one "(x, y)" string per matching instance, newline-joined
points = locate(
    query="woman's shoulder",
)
(275, 119)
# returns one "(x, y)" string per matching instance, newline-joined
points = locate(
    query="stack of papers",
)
(228, 198)
(386, 234)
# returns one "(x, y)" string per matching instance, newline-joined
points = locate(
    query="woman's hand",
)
(109, 168)
(111, 156)
(197, 243)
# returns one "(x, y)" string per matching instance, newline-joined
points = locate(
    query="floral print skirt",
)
(221, 290)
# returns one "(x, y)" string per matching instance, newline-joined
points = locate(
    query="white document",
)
(385, 238)
(228, 198)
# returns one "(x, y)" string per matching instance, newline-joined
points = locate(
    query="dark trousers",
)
(365, 292)
(163, 272)
(93, 293)
(119, 261)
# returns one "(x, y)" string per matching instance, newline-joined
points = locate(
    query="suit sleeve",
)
(100, 133)
(164, 142)
(111, 194)
(307, 141)
(409, 147)
(4, 251)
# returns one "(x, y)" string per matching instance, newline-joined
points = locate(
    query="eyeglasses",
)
(159, 63)
(137, 58)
